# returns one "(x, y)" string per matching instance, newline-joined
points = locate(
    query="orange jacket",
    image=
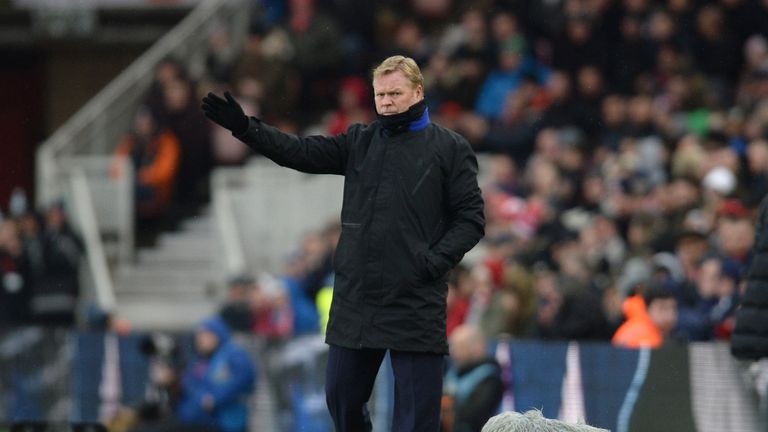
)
(158, 168)
(638, 331)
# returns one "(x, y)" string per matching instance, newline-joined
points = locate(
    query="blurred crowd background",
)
(626, 144)
(624, 149)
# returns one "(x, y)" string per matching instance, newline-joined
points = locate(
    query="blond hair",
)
(406, 65)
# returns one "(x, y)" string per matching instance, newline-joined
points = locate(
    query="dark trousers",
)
(418, 388)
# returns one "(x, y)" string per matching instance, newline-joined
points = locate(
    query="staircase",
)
(173, 285)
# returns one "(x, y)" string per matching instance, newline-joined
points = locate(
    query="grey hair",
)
(533, 421)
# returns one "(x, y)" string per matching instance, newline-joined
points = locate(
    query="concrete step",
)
(165, 293)
(173, 285)
(169, 281)
(202, 243)
(198, 224)
(173, 257)
(176, 314)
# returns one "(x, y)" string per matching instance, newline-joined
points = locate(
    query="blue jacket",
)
(305, 317)
(499, 83)
(229, 376)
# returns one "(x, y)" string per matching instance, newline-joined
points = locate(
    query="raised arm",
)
(314, 154)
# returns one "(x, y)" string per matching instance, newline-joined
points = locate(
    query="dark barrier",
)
(61, 376)
(30, 426)
(35, 374)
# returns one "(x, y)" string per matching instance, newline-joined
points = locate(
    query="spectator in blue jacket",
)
(514, 67)
(217, 384)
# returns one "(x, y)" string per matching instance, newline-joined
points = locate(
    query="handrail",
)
(97, 170)
(137, 71)
(87, 129)
(95, 129)
(224, 217)
(89, 228)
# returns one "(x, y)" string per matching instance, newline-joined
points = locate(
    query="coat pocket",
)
(348, 247)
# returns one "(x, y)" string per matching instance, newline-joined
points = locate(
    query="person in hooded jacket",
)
(411, 210)
(216, 385)
(651, 317)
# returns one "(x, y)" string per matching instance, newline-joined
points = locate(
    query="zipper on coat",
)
(421, 180)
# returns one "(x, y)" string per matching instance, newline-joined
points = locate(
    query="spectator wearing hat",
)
(236, 311)
(216, 384)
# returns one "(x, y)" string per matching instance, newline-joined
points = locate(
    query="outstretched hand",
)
(226, 113)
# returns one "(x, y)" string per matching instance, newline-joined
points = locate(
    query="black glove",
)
(226, 113)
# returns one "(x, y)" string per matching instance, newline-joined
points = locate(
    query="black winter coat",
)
(411, 210)
(750, 337)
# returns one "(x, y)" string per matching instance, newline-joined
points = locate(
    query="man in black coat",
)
(750, 336)
(411, 210)
(749, 340)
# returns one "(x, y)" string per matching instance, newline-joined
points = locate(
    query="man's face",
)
(663, 313)
(690, 250)
(736, 235)
(708, 278)
(206, 342)
(394, 94)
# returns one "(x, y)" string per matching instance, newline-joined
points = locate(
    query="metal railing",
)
(111, 198)
(97, 127)
(89, 228)
(232, 257)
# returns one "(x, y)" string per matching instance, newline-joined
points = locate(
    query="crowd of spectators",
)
(625, 150)
(169, 149)
(39, 263)
(626, 146)
(626, 143)
(294, 302)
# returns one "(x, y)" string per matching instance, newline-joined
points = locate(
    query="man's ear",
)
(420, 91)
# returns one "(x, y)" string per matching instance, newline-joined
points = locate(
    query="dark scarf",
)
(398, 123)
